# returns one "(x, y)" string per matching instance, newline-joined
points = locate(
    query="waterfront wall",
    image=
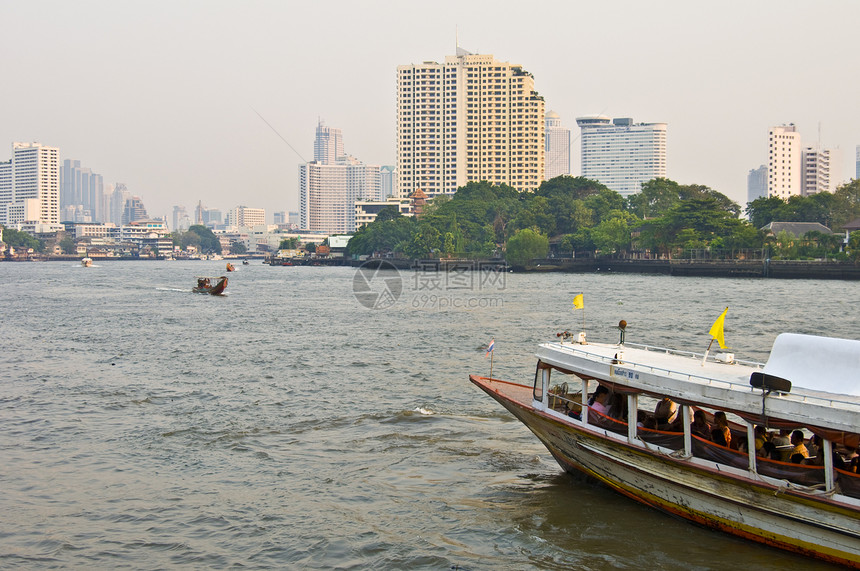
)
(780, 269)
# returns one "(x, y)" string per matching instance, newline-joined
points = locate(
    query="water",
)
(287, 426)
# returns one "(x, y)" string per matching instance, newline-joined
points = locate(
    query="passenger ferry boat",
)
(809, 384)
(211, 286)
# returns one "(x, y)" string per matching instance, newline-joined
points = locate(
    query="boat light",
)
(769, 383)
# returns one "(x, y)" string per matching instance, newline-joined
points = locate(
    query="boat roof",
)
(824, 372)
(821, 363)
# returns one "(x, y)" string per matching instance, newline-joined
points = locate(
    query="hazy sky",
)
(163, 95)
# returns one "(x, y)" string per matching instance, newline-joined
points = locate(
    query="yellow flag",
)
(717, 329)
(577, 302)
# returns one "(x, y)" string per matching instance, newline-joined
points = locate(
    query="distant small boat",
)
(245, 262)
(87, 262)
(230, 267)
(212, 286)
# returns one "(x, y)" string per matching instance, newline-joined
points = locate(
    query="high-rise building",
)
(818, 170)
(327, 193)
(80, 186)
(471, 118)
(279, 217)
(244, 217)
(783, 162)
(133, 211)
(212, 216)
(181, 220)
(328, 144)
(388, 179)
(329, 188)
(30, 185)
(622, 154)
(757, 183)
(557, 145)
(118, 198)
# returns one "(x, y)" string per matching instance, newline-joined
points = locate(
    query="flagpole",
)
(491, 362)
(705, 358)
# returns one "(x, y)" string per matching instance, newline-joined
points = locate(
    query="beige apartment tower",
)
(783, 162)
(471, 118)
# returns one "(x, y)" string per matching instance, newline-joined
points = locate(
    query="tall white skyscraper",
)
(783, 162)
(30, 185)
(471, 118)
(328, 188)
(819, 170)
(622, 154)
(557, 145)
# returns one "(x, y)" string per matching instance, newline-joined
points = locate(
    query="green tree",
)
(425, 242)
(289, 244)
(67, 245)
(613, 234)
(238, 248)
(21, 240)
(525, 246)
(846, 203)
(200, 237)
(388, 213)
(853, 249)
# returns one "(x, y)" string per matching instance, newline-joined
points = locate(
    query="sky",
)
(217, 101)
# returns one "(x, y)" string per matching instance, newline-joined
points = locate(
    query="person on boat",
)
(799, 453)
(599, 401)
(200, 282)
(618, 407)
(763, 445)
(700, 426)
(721, 434)
(781, 445)
(666, 413)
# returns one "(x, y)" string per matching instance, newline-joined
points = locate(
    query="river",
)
(289, 425)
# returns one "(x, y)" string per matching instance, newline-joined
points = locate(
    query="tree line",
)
(580, 216)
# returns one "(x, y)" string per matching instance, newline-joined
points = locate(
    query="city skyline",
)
(218, 102)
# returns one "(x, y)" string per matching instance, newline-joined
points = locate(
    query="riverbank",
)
(777, 269)
(774, 269)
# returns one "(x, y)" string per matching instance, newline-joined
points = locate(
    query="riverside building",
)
(471, 118)
(622, 154)
(30, 187)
